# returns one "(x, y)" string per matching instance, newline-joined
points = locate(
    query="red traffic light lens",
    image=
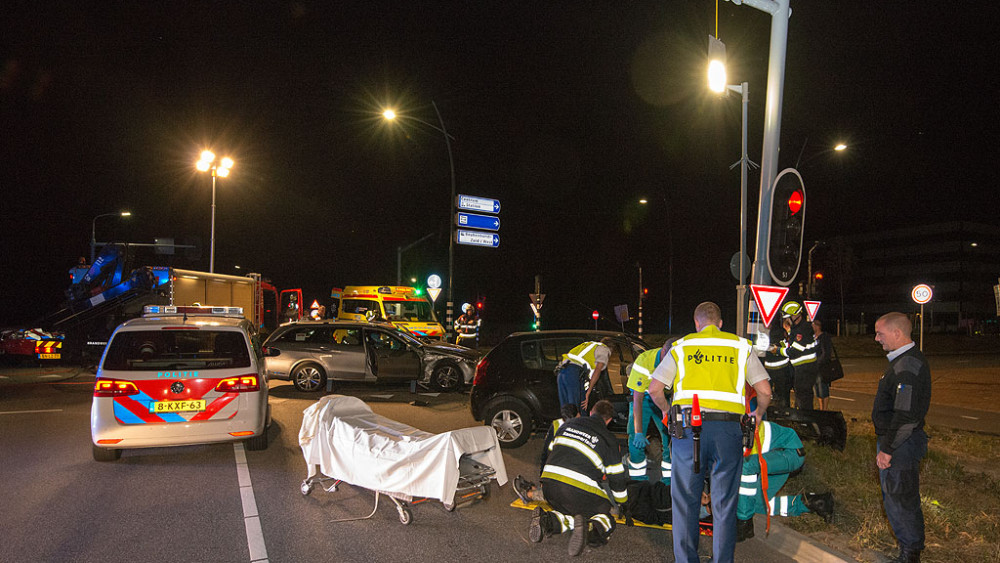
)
(795, 202)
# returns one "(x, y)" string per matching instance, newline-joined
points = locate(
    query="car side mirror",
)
(270, 352)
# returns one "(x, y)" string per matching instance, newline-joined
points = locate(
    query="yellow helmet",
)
(791, 309)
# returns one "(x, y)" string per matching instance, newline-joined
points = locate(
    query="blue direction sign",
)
(473, 203)
(474, 221)
(477, 238)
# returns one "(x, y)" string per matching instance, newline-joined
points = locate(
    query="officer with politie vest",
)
(708, 372)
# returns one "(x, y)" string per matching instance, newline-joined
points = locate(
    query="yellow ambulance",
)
(403, 306)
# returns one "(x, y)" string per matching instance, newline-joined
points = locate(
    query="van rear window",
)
(151, 350)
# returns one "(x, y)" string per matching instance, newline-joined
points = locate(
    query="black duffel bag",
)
(832, 370)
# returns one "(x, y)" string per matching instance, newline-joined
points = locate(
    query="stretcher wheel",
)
(305, 488)
(450, 507)
(484, 491)
(405, 516)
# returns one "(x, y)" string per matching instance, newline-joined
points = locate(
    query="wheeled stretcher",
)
(342, 440)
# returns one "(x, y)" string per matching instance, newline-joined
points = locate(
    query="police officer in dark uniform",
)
(901, 403)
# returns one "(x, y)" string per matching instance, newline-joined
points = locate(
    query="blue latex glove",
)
(639, 441)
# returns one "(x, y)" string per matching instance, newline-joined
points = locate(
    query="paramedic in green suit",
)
(641, 411)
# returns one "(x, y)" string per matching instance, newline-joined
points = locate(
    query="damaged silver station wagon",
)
(311, 353)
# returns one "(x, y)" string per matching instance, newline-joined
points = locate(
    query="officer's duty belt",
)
(720, 416)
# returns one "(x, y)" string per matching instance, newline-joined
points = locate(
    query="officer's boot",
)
(821, 505)
(907, 556)
(744, 529)
(542, 525)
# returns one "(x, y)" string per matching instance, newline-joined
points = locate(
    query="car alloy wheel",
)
(511, 419)
(446, 377)
(308, 378)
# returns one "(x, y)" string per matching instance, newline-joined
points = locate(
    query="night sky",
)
(567, 112)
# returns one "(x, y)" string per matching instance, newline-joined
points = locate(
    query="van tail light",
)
(240, 384)
(480, 371)
(114, 388)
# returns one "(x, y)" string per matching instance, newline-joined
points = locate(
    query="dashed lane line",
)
(31, 412)
(251, 519)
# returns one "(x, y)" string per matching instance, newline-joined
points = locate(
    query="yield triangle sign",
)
(811, 308)
(768, 299)
(434, 292)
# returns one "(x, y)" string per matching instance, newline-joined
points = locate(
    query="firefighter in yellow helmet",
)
(799, 346)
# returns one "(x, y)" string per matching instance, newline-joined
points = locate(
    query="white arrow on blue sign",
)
(474, 221)
(473, 203)
(477, 238)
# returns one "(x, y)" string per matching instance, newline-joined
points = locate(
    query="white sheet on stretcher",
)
(351, 443)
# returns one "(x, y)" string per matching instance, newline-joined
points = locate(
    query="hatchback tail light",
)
(241, 384)
(480, 371)
(114, 388)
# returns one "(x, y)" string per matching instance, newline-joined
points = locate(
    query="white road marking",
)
(251, 519)
(50, 376)
(967, 417)
(841, 398)
(275, 400)
(31, 412)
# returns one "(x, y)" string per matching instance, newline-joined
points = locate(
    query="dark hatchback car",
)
(514, 389)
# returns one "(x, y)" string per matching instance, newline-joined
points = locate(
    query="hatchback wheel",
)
(511, 418)
(106, 454)
(446, 377)
(308, 378)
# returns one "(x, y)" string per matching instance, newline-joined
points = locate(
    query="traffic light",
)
(645, 292)
(818, 276)
(787, 226)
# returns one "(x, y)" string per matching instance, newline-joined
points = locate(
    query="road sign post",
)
(922, 293)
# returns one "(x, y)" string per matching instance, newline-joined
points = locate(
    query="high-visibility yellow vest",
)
(640, 375)
(583, 355)
(711, 364)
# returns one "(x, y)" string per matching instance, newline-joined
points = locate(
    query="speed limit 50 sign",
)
(921, 293)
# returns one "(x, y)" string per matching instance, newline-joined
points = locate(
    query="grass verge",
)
(959, 487)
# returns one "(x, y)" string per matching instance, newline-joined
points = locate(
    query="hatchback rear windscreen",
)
(152, 350)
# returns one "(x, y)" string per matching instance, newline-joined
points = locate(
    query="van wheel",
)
(446, 377)
(258, 442)
(106, 454)
(511, 418)
(309, 378)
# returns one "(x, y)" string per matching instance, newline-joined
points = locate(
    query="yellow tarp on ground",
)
(706, 530)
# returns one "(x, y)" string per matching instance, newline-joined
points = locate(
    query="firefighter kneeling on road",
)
(583, 452)
(782, 453)
(467, 326)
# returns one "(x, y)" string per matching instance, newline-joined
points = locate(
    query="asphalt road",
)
(187, 503)
(964, 390)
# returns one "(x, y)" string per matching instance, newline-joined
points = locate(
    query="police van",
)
(178, 376)
(403, 306)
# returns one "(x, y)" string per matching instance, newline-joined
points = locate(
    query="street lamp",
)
(391, 115)
(93, 229)
(717, 83)
(218, 168)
